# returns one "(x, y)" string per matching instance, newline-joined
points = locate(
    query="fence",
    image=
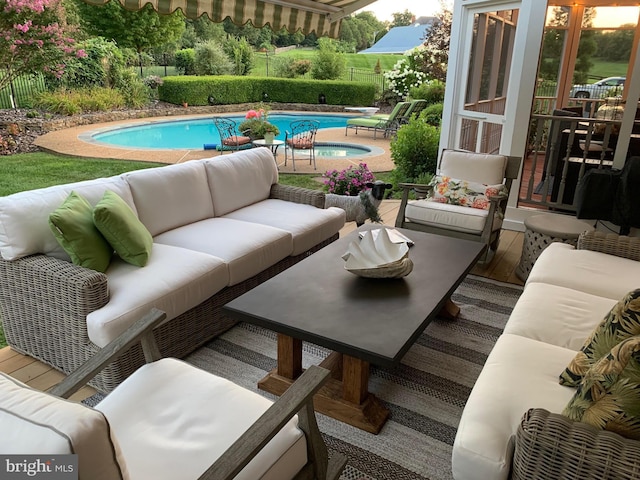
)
(22, 89)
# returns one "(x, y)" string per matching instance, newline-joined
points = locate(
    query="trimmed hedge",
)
(227, 90)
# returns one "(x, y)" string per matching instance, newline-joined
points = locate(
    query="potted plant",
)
(256, 124)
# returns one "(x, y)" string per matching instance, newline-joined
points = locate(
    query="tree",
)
(402, 19)
(361, 30)
(141, 30)
(33, 39)
(434, 58)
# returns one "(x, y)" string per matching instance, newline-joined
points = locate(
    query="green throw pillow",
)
(621, 322)
(609, 395)
(72, 225)
(123, 230)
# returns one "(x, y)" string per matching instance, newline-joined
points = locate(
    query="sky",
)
(383, 9)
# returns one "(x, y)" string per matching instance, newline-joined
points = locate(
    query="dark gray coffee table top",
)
(376, 320)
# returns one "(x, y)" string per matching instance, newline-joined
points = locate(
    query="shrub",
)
(134, 91)
(240, 53)
(350, 181)
(329, 64)
(71, 102)
(232, 89)
(210, 59)
(404, 76)
(301, 67)
(432, 91)
(433, 114)
(414, 151)
(283, 67)
(185, 61)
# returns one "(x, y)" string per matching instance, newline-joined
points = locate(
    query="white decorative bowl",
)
(376, 256)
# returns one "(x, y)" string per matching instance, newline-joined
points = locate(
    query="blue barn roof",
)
(400, 39)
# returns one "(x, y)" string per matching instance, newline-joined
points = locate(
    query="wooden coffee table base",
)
(345, 396)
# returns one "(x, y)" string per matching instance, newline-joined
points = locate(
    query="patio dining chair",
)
(230, 138)
(379, 122)
(301, 137)
(169, 420)
(467, 198)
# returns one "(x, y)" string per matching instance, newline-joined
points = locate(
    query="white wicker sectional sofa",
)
(220, 226)
(567, 294)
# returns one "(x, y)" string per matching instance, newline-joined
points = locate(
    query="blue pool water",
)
(194, 133)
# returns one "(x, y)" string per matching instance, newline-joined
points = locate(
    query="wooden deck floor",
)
(502, 268)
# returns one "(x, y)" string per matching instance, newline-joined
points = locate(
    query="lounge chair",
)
(377, 122)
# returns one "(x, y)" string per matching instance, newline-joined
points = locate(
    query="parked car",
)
(598, 89)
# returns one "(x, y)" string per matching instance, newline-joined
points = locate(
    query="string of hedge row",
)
(225, 90)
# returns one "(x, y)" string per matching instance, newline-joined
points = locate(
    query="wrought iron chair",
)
(302, 137)
(170, 420)
(230, 138)
(457, 208)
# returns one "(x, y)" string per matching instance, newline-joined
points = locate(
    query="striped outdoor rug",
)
(425, 394)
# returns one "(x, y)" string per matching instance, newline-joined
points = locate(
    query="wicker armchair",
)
(550, 446)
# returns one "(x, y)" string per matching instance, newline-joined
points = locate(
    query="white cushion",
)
(557, 315)
(240, 179)
(174, 420)
(519, 374)
(171, 196)
(451, 217)
(174, 281)
(307, 224)
(476, 167)
(591, 272)
(24, 216)
(246, 248)
(37, 423)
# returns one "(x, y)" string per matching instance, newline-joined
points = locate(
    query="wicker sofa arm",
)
(297, 195)
(618, 245)
(40, 293)
(550, 446)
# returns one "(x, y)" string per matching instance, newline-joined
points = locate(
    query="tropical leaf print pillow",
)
(608, 396)
(461, 192)
(622, 321)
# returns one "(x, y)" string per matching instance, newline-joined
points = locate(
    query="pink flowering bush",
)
(350, 181)
(33, 39)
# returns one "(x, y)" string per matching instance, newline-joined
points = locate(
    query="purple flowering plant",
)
(350, 181)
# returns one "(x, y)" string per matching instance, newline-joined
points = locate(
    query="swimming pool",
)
(194, 133)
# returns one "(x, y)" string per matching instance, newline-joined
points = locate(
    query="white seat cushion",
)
(37, 423)
(173, 421)
(451, 217)
(474, 167)
(24, 216)
(240, 179)
(557, 315)
(308, 225)
(519, 374)
(171, 196)
(591, 272)
(174, 281)
(247, 248)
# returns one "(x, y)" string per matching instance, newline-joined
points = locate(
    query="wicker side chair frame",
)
(44, 303)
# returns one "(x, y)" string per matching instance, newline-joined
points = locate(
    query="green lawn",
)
(354, 60)
(604, 69)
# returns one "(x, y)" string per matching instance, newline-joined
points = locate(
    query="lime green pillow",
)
(123, 230)
(623, 321)
(72, 225)
(608, 396)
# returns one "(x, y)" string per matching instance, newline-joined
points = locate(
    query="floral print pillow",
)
(461, 192)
